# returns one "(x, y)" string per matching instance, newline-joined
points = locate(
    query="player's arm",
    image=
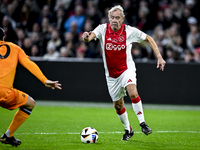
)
(88, 36)
(35, 70)
(161, 63)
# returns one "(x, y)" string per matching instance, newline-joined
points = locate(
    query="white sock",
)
(123, 116)
(137, 107)
(7, 133)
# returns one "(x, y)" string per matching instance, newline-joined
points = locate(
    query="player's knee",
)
(133, 95)
(31, 103)
(118, 106)
(34, 103)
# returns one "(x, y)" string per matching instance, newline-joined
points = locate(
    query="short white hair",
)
(51, 46)
(118, 7)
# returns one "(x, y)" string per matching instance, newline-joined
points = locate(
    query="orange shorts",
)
(12, 98)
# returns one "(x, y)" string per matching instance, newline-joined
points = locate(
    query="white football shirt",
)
(117, 46)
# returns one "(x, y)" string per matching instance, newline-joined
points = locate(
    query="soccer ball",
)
(89, 135)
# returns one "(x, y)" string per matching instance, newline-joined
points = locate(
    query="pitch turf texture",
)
(58, 126)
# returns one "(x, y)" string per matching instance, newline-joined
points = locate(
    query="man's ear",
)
(123, 19)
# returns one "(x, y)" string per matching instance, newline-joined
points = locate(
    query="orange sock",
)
(17, 121)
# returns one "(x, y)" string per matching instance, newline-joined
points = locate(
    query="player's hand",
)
(53, 84)
(85, 36)
(161, 64)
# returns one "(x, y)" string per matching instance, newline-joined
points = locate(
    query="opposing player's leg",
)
(19, 118)
(123, 116)
(137, 107)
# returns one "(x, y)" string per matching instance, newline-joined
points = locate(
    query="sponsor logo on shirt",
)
(111, 46)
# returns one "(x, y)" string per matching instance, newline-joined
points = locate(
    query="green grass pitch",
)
(51, 127)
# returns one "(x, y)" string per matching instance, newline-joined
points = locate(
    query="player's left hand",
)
(53, 84)
(161, 64)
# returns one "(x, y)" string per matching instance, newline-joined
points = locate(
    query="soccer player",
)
(116, 41)
(11, 98)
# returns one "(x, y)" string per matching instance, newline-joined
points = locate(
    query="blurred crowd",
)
(52, 28)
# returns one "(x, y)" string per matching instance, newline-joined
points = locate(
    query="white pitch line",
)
(116, 132)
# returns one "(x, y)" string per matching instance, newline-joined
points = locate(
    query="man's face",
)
(116, 20)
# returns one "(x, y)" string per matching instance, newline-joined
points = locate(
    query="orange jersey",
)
(10, 55)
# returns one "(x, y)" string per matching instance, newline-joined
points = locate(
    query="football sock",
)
(21, 115)
(123, 116)
(137, 107)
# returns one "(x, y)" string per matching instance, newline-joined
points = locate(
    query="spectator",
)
(160, 18)
(55, 39)
(24, 16)
(129, 12)
(20, 37)
(170, 54)
(34, 12)
(138, 52)
(177, 47)
(36, 29)
(188, 57)
(10, 34)
(12, 11)
(46, 33)
(191, 5)
(192, 37)
(184, 24)
(92, 46)
(143, 22)
(46, 13)
(168, 18)
(77, 18)
(177, 9)
(92, 13)
(59, 19)
(81, 50)
(65, 52)
(71, 48)
(197, 55)
(68, 36)
(73, 30)
(27, 46)
(51, 54)
(45, 28)
(35, 50)
(64, 4)
(3, 6)
(35, 38)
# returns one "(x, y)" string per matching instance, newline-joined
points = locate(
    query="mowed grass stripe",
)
(116, 132)
(110, 105)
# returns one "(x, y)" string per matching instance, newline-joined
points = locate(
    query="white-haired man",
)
(116, 42)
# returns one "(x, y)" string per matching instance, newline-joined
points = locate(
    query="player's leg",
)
(21, 115)
(117, 92)
(19, 118)
(137, 107)
(123, 116)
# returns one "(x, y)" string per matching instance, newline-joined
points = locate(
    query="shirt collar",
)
(119, 32)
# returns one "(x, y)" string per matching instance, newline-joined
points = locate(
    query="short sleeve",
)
(99, 30)
(135, 34)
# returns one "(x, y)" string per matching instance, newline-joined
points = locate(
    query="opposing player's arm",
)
(161, 63)
(35, 70)
(88, 36)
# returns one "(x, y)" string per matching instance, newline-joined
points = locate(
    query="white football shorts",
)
(117, 86)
